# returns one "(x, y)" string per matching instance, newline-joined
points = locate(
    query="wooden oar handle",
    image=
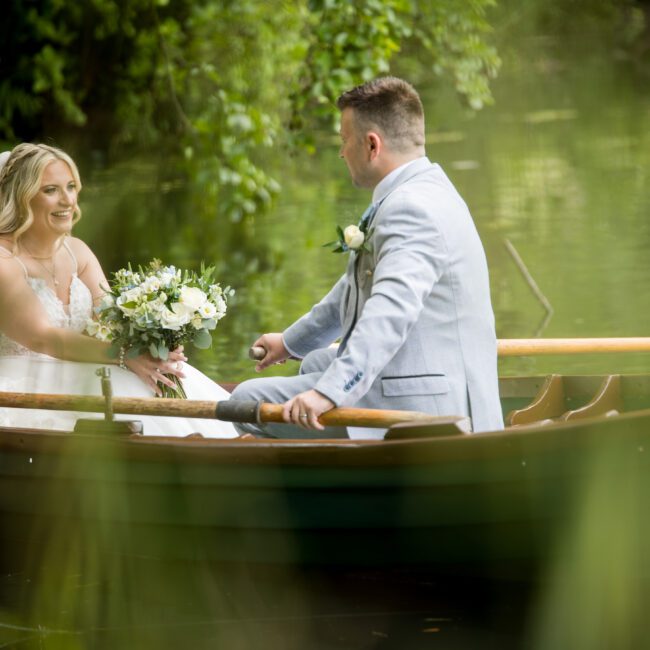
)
(352, 417)
(256, 353)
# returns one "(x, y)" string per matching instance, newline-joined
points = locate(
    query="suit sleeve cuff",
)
(292, 352)
(341, 396)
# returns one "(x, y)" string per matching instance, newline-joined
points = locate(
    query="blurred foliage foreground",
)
(213, 84)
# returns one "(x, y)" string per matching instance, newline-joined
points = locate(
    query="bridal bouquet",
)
(157, 308)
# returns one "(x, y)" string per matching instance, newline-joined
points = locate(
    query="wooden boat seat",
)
(436, 427)
(550, 404)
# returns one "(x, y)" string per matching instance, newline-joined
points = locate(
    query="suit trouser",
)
(278, 390)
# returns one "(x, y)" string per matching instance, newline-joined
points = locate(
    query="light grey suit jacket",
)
(415, 313)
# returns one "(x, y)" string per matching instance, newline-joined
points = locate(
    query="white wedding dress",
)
(24, 371)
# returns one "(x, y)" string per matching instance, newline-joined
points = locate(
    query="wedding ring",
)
(303, 415)
(157, 369)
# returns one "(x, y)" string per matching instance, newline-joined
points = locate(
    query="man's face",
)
(354, 150)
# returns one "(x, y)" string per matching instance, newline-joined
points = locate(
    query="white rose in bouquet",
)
(176, 317)
(192, 297)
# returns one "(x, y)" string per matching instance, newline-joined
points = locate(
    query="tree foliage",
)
(211, 83)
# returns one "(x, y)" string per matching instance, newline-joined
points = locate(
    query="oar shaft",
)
(525, 347)
(231, 411)
(125, 405)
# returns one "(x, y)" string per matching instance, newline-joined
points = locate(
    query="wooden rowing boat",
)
(135, 541)
(428, 495)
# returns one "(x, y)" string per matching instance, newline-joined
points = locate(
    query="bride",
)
(49, 282)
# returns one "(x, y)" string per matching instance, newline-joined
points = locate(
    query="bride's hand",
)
(152, 371)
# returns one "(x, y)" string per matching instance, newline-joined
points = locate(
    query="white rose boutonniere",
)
(353, 238)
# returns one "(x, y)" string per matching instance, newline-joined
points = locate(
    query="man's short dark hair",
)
(390, 104)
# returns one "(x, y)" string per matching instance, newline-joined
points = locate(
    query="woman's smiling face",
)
(55, 202)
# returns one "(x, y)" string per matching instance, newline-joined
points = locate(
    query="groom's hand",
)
(274, 348)
(305, 409)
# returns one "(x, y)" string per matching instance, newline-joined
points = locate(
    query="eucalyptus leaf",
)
(202, 340)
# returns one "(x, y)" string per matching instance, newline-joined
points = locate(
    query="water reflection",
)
(562, 172)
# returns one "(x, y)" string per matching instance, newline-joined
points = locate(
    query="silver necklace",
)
(51, 273)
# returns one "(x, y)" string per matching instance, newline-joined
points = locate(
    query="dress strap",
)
(74, 259)
(10, 254)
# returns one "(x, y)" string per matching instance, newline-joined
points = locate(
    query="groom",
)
(412, 310)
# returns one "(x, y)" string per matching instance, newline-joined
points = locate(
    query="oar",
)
(533, 347)
(526, 347)
(227, 410)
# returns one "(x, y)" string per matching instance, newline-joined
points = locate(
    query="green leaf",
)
(202, 340)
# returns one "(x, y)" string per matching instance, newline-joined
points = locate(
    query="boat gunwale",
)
(513, 442)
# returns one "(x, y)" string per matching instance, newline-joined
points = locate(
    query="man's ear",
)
(374, 145)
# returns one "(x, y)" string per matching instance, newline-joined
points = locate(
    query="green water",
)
(560, 166)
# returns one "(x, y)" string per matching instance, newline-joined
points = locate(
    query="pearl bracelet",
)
(120, 359)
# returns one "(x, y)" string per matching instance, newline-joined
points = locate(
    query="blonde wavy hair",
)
(20, 180)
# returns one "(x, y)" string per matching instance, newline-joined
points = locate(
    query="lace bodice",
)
(72, 316)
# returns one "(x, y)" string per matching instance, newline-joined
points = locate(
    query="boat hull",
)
(464, 501)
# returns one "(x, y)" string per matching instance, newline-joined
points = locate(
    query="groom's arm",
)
(318, 328)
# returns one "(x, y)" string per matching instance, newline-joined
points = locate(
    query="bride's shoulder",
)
(6, 246)
(7, 259)
(11, 269)
(81, 250)
(88, 265)
(76, 244)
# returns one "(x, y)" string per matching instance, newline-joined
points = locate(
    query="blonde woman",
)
(49, 282)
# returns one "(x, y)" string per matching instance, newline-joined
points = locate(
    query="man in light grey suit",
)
(412, 310)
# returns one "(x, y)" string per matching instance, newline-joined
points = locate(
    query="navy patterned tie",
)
(367, 216)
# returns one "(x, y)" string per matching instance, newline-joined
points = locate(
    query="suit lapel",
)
(351, 312)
